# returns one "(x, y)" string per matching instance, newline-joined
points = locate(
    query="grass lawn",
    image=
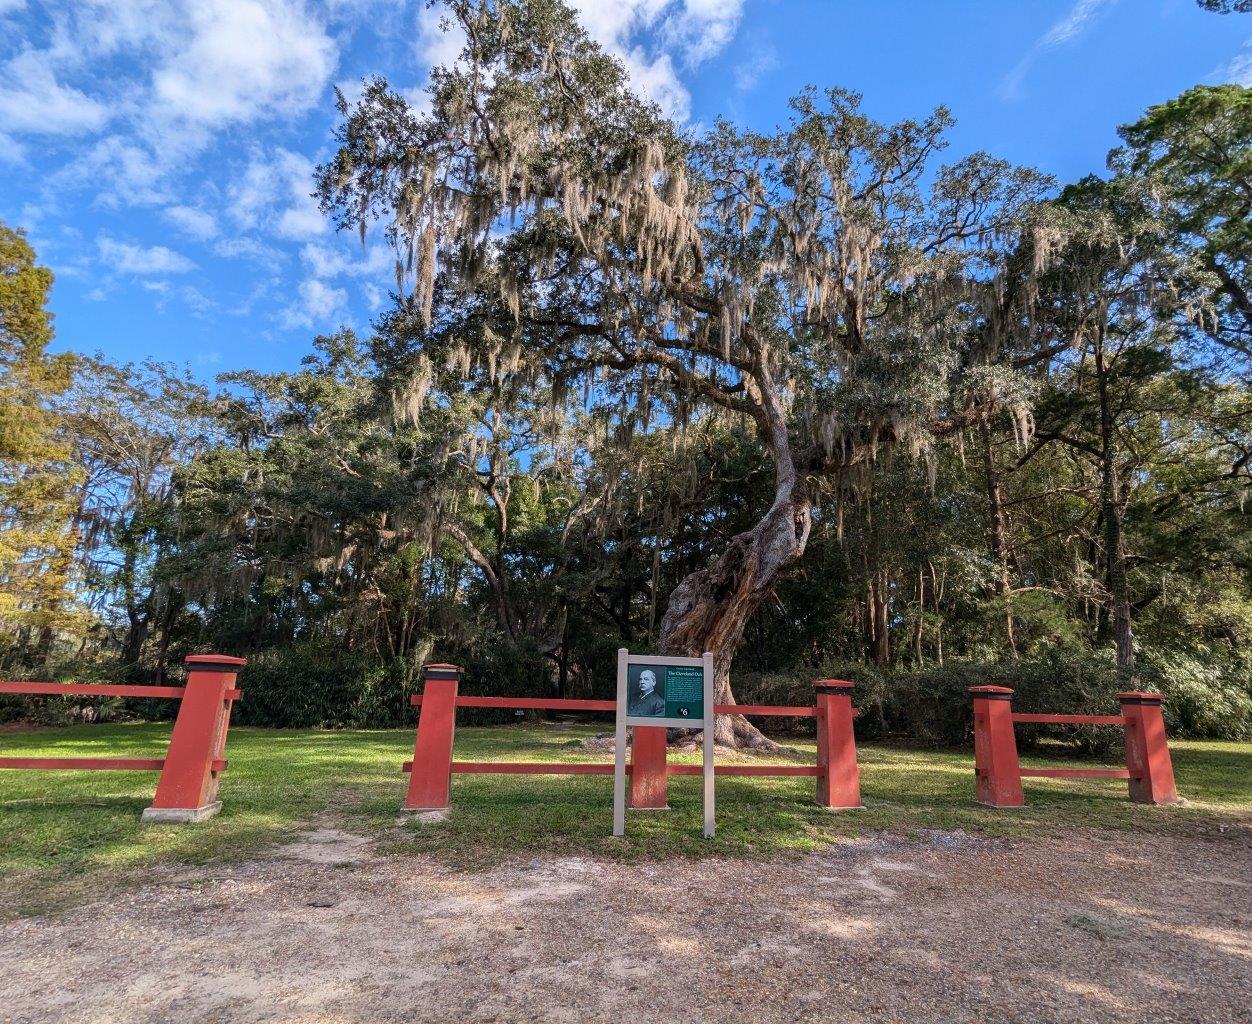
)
(69, 835)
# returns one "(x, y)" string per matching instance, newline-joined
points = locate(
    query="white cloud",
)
(346, 260)
(325, 261)
(241, 60)
(317, 306)
(195, 300)
(275, 192)
(11, 151)
(197, 224)
(126, 258)
(11, 6)
(703, 28)
(1239, 70)
(642, 32)
(248, 248)
(1073, 23)
(762, 62)
(165, 77)
(32, 100)
(658, 81)
(439, 39)
(1069, 28)
(126, 173)
(301, 220)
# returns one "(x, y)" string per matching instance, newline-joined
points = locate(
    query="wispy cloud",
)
(192, 119)
(127, 258)
(1069, 28)
(318, 306)
(34, 100)
(1238, 70)
(195, 223)
(763, 61)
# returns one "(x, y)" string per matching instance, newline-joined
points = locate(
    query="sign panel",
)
(665, 691)
(676, 693)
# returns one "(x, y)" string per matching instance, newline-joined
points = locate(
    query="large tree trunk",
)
(1111, 507)
(709, 609)
(877, 618)
(999, 547)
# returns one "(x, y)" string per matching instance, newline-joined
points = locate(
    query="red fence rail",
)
(193, 763)
(998, 774)
(430, 771)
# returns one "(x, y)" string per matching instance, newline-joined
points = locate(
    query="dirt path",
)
(1095, 927)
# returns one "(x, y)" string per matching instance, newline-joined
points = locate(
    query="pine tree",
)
(38, 484)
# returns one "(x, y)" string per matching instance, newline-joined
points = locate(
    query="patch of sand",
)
(1094, 927)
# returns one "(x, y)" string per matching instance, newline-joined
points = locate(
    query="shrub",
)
(312, 685)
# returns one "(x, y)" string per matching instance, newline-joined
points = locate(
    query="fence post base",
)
(649, 782)
(1147, 752)
(431, 777)
(187, 790)
(839, 784)
(179, 815)
(997, 773)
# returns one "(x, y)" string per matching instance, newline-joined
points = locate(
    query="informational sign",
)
(665, 691)
(676, 693)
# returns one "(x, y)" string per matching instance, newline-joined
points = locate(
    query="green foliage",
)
(1196, 153)
(993, 438)
(315, 685)
(37, 472)
(1227, 6)
(932, 704)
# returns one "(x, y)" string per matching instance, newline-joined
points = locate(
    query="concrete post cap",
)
(214, 659)
(440, 668)
(990, 689)
(1140, 697)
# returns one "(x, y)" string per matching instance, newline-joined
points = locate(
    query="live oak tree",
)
(826, 283)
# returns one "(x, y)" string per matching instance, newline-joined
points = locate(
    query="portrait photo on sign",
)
(645, 691)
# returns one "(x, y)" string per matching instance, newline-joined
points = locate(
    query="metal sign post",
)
(673, 692)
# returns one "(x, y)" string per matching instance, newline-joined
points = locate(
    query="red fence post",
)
(649, 774)
(432, 750)
(996, 770)
(839, 781)
(1147, 752)
(187, 790)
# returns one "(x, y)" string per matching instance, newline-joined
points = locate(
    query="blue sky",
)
(160, 152)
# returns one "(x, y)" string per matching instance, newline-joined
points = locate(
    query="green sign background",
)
(684, 692)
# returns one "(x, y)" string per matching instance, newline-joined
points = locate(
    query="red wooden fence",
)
(193, 763)
(998, 775)
(430, 771)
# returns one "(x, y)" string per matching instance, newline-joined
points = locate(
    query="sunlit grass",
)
(70, 835)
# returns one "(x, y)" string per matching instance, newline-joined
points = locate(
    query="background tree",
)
(1196, 153)
(37, 474)
(132, 428)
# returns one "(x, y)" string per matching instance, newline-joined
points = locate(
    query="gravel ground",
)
(947, 928)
